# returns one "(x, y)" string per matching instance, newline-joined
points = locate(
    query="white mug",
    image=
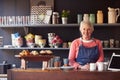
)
(92, 66)
(100, 66)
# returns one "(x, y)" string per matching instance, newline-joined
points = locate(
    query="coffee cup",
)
(92, 66)
(100, 66)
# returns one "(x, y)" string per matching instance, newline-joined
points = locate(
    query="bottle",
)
(55, 17)
(99, 16)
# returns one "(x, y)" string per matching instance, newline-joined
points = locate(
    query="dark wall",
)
(85, 6)
(14, 7)
(22, 7)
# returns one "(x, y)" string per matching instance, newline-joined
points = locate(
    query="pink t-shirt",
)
(73, 53)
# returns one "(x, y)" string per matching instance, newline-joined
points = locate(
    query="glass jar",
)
(86, 17)
(79, 18)
(92, 18)
(99, 16)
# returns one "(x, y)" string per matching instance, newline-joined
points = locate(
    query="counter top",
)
(38, 74)
(51, 70)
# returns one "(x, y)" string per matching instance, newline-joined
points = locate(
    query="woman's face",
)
(86, 32)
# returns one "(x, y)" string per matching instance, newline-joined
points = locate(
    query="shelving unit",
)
(72, 25)
(67, 32)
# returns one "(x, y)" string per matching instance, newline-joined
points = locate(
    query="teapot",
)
(113, 14)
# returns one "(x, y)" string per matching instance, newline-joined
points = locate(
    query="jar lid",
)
(99, 11)
(55, 13)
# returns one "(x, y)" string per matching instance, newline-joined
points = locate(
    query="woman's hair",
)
(88, 23)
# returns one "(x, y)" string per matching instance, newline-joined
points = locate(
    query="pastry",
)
(49, 52)
(34, 53)
(24, 53)
(42, 52)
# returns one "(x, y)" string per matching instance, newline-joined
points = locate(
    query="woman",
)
(86, 49)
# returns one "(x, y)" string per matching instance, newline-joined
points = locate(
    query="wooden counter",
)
(38, 74)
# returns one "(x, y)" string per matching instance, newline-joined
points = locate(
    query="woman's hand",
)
(85, 67)
(76, 66)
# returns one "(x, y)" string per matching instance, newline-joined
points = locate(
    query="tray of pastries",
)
(43, 55)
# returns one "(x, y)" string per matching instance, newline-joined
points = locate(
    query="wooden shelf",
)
(42, 25)
(28, 48)
(108, 25)
(35, 58)
(36, 48)
(57, 25)
(111, 48)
